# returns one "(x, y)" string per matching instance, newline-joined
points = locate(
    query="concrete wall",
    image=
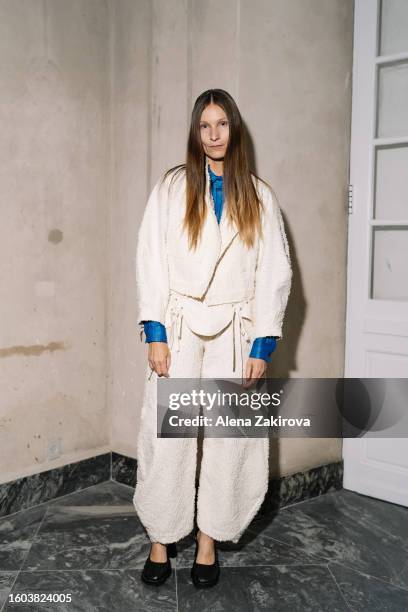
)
(54, 171)
(95, 101)
(288, 66)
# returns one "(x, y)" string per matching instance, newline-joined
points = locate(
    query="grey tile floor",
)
(338, 552)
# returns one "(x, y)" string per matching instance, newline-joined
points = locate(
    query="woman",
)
(213, 269)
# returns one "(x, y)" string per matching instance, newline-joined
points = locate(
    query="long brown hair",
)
(239, 191)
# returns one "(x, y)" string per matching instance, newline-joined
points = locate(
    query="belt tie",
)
(176, 326)
(238, 330)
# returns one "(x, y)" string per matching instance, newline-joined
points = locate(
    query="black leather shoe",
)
(204, 575)
(157, 572)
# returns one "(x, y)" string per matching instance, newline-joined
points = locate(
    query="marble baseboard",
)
(35, 489)
(281, 492)
(32, 490)
(124, 469)
(298, 487)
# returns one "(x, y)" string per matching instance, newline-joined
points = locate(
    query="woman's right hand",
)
(159, 358)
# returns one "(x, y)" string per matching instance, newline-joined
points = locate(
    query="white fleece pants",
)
(233, 478)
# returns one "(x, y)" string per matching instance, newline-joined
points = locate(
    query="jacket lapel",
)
(227, 231)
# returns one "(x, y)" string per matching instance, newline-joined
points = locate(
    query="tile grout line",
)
(175, 577)
(264, 565)
(338, 588)
(25, 558)
(186, 567)
(295, 546)
(34, 538)
(387, 582)
(402, 569)
(323, 564)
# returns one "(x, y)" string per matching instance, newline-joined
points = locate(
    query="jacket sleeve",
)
(273, 273)
(151, 266)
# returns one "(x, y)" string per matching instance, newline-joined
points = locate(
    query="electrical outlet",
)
(54, 448)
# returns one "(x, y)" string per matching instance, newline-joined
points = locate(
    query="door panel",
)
(377, 279)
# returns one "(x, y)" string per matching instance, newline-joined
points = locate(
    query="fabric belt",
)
(239, 332)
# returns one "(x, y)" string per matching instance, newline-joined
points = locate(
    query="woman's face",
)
(214, 130)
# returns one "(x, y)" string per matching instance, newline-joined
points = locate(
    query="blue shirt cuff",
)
(263, 347)
(155, 331)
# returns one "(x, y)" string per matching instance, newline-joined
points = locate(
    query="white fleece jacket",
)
(222, 268)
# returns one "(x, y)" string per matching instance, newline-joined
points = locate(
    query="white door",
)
(377, 285)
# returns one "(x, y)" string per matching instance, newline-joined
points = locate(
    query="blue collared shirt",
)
(262, 348)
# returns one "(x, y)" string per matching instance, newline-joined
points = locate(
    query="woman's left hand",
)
(254, 369)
